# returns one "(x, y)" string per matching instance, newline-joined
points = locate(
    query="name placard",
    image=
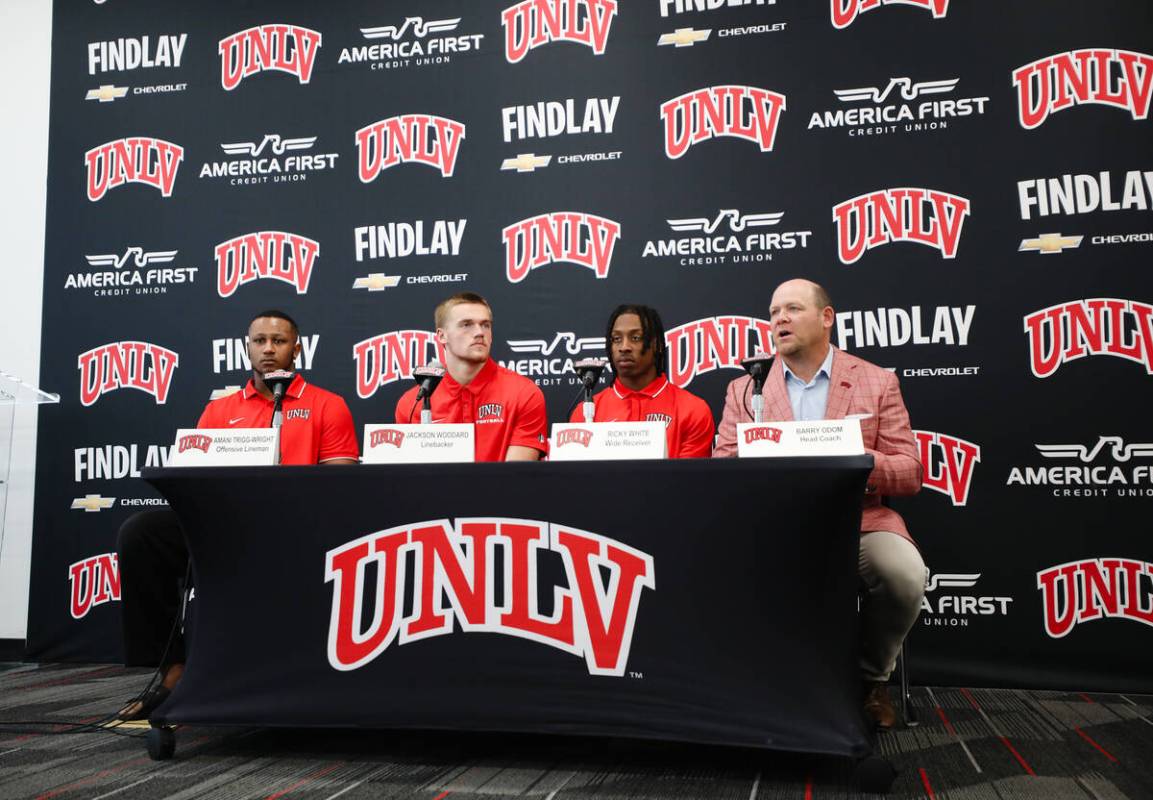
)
(827, 437)
(607, 441)
(418, 444)
(225, 447)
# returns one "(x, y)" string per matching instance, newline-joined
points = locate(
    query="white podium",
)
(13, 392)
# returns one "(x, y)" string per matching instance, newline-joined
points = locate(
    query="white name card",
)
(225, 447)
(418, 444)
(607, 441)
(827, 437)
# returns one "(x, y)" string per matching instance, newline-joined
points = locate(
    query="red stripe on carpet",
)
(1089, 739)
(1017, 756)
(1086, 698)
(928, 786)
(808, 787)
(944, 719)
(104, 773)
(969, 697)
(320, 773)
(442, 795)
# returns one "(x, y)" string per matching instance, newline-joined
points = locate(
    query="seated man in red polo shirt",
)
(641, 391)
(153, 559)
(506, 408)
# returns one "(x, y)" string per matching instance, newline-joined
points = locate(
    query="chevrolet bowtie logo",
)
(376, 282)
(1050, 243)
(93, 502)
(225, 392)
(525, 162)
(684, 37)
(106, 93)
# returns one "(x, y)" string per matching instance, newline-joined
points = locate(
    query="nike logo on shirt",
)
(234, 421)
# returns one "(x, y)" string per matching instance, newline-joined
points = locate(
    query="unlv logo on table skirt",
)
(592, 617)
(948, 464)
(704, 345)
(285, 48)
(1093, 589)
(1077, 470)
(126, 365)
(136, 159)
(532, 23)
(571, 236)
(921, 216)
(94, 582)
(286, 257)
(845, 12)
(1117, 78)
(1101, 326)
(390, 357)
(410, 138)
(742, 112)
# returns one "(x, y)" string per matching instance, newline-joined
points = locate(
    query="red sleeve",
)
(530, 429)
(404, 413)
(337, 433)
(733, 413)
(697, 429)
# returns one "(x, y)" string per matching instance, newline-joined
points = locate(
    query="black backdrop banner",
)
(972, 182)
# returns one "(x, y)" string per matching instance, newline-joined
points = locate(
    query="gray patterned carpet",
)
(972, 745)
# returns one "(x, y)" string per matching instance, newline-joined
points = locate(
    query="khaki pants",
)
(893, 575)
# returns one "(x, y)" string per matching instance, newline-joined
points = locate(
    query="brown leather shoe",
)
(878, 706)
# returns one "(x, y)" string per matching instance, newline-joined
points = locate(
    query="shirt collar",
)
(826, 368)
(482, 379)
(658, 385)
(295, 389)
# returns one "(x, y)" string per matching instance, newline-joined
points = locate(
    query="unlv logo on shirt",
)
(410, 138)
(389, 436)
(1096, 588)
(743, 112)
(952, 473)
(1117, 78)
(712, 343)
(286, 257)
(763, 433)
(126, 365)
(195, 440)
(845, 11)
(490, 412)
(297, 413)
(572, 236)
(664, 419)
(592, 617)
(94, 582)
(286, 48)
(921, 216)
(389, 357)
(579, 436)
(531, 23)
(137, 159)
(1101, 326)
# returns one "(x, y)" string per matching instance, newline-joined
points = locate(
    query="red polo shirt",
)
(688, 420)
(317, 424)
(507, 409)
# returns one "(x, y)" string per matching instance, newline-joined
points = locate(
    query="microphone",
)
(429, 377)
(278, 381)
(589, 370)
(758, 366)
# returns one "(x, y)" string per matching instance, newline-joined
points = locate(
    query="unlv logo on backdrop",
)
(286, 48)
(574, 436)
(531, 23)
(410, 138)
(572, 236)
(196, 441)
(845, 11)
(1096, 588)
(592, 617)
(389, 357)
(714, 343)
(287, 257)
(922, 216)
(137, 159)
(94, 581)
(1117, 78)
(743, 112)
(126, 365)
(952, 473)
(1101, 326)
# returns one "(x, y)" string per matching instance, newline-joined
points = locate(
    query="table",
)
(695, 600)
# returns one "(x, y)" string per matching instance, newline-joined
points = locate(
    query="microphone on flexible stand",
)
(589, 370)
(758, 366)
(278, 381)
(428, 378)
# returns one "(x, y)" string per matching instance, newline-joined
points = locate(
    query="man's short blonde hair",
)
(440, 316)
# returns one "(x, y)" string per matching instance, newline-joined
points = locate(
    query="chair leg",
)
(907, 709)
